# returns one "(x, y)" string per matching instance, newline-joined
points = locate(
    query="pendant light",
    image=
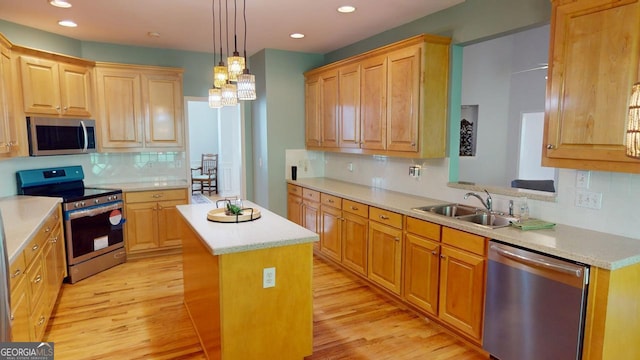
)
(236, 63)
(633, 125)
(229, 90)
(220, 71)
(215, 94)
(246, 80)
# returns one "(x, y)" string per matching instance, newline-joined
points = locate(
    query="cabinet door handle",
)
(16, 273)
(550, 146)
(435, 253)
(330, 201)
(397, 239)
(37, 279)
(354, 208)
(35, 247)
(47, 229)
(384, 217)
(41, 320)
(155, 196)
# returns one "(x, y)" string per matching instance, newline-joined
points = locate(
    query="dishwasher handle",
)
(537, 262)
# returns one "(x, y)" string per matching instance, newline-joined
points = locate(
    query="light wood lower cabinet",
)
(311, 212)
(294, 204)
(331, 226)
(36, 275)
(462, 281)
(385, 249)
(422, 264)
(355, 232)
(152, 221)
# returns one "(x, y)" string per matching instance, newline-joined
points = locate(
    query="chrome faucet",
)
(488, 204)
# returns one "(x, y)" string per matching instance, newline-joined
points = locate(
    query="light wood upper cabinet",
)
(140, 107)
(8, 135)
(312, 112)
(329, 109)
(373, 103)
(120, 108)
(399, 106)
(349, 106)
(593, 62)
(162, 95)
(51, 87)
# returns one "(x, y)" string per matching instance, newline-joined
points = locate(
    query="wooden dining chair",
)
(206, 175)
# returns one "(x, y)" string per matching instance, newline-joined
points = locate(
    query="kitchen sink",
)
(488, 219)
(470, 214)
(450, 210)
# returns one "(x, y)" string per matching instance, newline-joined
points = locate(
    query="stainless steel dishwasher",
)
(534, 306)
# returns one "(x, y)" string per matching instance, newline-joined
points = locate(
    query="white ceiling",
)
(187, 24)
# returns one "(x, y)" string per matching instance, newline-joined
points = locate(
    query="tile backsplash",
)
(617, 215)
(102, 168)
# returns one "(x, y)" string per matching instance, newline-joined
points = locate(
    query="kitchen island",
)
(247, 286)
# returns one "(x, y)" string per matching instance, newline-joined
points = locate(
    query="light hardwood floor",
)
(135, 311)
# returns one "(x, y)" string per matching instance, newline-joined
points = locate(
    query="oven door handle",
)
(94, 210)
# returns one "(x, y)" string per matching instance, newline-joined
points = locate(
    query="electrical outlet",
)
(582, 179)
(588, 199)
(268, 277)
(414, 171)
(350, 167)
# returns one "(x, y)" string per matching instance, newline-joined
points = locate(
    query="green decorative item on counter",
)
(533, 224)
(233, 209)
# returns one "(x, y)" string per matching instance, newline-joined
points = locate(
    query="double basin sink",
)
(485, 218)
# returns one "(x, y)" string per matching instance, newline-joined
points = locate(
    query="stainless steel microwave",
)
(54, 136)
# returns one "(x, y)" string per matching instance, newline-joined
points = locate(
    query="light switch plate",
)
(588, 199)
(582, 179)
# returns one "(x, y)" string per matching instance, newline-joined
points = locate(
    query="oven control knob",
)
(77, 205)
(82, 203)
(97, 201)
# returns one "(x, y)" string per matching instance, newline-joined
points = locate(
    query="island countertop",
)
(270, 230)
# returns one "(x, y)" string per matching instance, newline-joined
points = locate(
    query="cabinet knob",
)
(384, 217)
(435, 253)
(413, 144)
(157, 196)
(354, 208)
(550, 147)
(442, 257)
(397, 239)
(41, 320)
(35, 247)
(37, 279)
(330, 201)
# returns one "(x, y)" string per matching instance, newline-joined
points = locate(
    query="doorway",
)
(217, 131)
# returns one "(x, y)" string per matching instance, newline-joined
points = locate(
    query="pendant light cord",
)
(213, 28)
(221, 63)
(226, 5)
(244, 16)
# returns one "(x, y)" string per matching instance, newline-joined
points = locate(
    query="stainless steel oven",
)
(94, 236)
(93, 218)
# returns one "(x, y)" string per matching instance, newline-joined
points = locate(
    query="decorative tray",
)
(220, 215)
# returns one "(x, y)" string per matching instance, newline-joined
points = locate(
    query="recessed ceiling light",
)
(60, 3)
(296, 36)
(346, 9)
(67, 23)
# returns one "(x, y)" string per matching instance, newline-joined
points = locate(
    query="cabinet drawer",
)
(37, 281)
(294, 189)
(464, 240)
(159, 195)
(34, 247)
(423, 228)
(355, 208)
(330, 200)
(39, 318)
(385, 217)
(311, 194)
(17, 269)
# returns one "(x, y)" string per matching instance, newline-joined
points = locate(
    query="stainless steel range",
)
(93, 218)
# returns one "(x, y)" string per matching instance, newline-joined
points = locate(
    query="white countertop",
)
(590, 247)
(22, 216)
(145, 185)
(270, 230)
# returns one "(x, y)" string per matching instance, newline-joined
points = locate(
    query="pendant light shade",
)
(246, 86)
(236, 66)
(220, 75)
(215, 98)
(633, 125)
(229, 94)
